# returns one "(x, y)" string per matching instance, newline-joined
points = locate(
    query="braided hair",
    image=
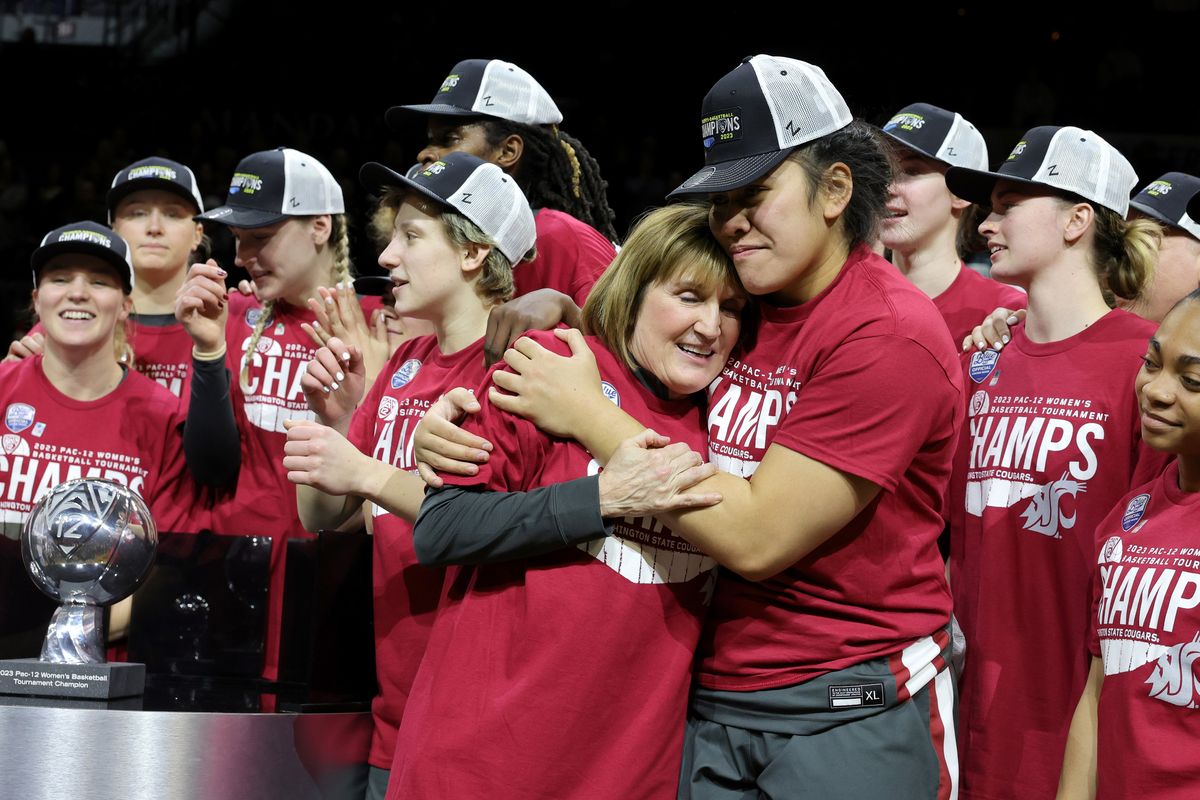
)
(556, 171)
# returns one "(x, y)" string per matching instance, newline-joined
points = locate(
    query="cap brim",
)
(976, 185)
(1154, 213)
(45, 253)
(395, 115)
(729, 175)
(119, 193)
(239, 217)
(376, 177)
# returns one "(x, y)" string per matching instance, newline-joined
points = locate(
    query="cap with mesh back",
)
(1067, 158)
(1167, 200)
(492, 88)
(475, 188)
(86, 238)
(272, 185)
(154, 173)
(754, 116)
(938, 134)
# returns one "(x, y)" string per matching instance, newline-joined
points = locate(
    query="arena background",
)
(209, 81)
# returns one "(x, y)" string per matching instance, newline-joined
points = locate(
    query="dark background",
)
(230, 77)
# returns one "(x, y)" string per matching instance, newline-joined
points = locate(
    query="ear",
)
(322, 227)
(958, 204)
(198, 237)
(837, 186)
(509, 152)
(474, 254)
(126, 308)
(1078, 219)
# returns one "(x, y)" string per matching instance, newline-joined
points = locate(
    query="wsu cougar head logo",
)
(1173, 679)
(1043, 514)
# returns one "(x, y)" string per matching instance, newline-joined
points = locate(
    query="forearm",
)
(211, 443)
(392, 489)
(466, 526)
(760, 527)
(1078, 778)
(319, 511)
(600, 426)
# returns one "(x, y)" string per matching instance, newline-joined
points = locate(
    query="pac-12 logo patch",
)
(388, 408)
(407, 371)
(979, 404)
(1112, 551)
(610, 392)
(1134, 511)
(982, 364)
(18, 417)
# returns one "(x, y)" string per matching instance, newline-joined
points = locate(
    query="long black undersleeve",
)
(473, 526)
(210, 438)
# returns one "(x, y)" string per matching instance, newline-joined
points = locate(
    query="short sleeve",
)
(871, 407)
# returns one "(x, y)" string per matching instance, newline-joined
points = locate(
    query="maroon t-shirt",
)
(971, 297)
(131, 436)
(571, 255)
(565, 675)
(1146, 626)
(406, 594)
(862, 378)
(1052, 437)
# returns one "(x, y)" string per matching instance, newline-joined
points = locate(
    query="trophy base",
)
(29, 676)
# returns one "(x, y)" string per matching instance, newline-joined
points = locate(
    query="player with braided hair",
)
(497, 111)
(286, 213)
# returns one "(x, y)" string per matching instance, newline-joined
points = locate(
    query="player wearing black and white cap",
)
(1177, 271)
(1051, 439)
(286, 213)
(497, 111)
(458, 227)
(927, 228)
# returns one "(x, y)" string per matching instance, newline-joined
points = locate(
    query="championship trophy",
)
(87, 544)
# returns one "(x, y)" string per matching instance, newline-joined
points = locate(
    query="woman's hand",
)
(200, 306)
(554, 392)
(339, 314)
(28, 346)
(439, 444)
(647, 475)
(318, 456)
(334, 382)
(994, 330)
(539, 310)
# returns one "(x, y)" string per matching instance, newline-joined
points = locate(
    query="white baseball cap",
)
(477, 189)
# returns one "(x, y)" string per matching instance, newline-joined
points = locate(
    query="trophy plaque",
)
(87, 544)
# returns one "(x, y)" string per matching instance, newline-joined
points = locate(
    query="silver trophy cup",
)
(88, 543)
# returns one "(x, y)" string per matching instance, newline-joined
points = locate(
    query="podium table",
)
(55, 749)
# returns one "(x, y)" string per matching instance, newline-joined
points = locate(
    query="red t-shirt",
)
(972, 297)
(163, 353)
(571, 255)
(131, 436)
(1052, 436)
(862, 378)
(1146, 626)
(406, 594)
(565, 675)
